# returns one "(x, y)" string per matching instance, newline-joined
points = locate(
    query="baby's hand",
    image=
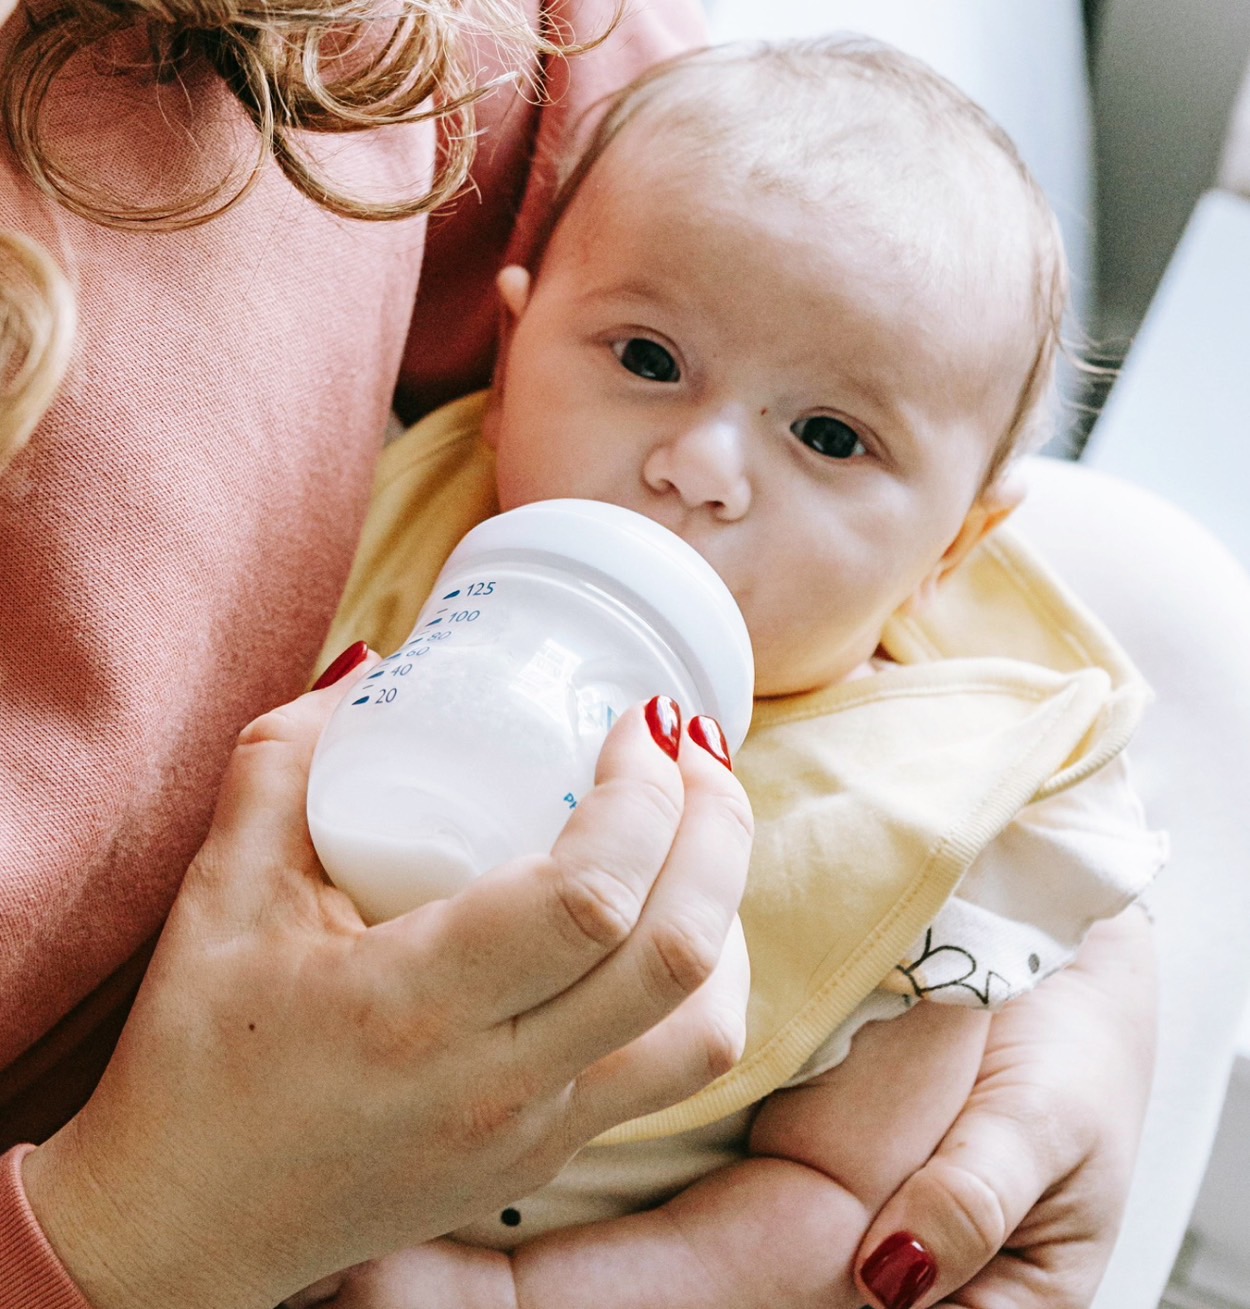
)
(437, 1275)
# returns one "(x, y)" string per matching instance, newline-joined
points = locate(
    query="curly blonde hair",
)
(36, 338)
(328, 66)
(322, 66)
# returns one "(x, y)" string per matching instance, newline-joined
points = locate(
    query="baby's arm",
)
(779, 1228)
(441, 1274)
(782, 1226)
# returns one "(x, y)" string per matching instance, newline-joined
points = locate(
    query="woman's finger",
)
(950, 1218)
(672, 952)
(259, 823)
(1037, 1165)
(702, 1039)
(527, 931)
(1061, 1275)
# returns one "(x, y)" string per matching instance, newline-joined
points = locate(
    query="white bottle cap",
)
(680, 592)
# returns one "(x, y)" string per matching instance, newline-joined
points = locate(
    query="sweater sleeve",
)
(175, 537)
(31, 1276)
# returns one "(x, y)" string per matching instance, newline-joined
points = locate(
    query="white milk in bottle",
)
(476, 739)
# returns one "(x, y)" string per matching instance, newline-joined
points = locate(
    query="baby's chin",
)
(770, 683)
(774, 680)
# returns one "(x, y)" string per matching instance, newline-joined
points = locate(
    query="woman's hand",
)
(295, 1092)
(1021, 1203)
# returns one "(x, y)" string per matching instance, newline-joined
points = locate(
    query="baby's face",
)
(741, 370)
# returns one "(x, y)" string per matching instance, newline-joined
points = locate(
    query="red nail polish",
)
(899, 1271)
(664, 719)
(706, 731)
(352, 657)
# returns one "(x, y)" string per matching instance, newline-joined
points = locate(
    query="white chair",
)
(1181, 605)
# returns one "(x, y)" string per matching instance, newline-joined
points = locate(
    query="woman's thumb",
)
(949, 1219)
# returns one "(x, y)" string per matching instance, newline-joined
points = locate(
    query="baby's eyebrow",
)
(638, 291)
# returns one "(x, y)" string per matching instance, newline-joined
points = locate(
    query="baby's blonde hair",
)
(324, 66)
(808, 117)
(36, 338)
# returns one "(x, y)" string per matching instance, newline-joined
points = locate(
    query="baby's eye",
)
(828, 436)
(647, 359)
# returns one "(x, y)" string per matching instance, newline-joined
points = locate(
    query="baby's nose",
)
(706, 465)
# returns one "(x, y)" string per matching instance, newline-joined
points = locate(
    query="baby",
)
(801, 305)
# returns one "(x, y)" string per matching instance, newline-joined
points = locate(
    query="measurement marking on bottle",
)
(451, 595)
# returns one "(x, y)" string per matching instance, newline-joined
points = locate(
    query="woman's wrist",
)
(122, 1242)
(31, 1275)
(99, 1245)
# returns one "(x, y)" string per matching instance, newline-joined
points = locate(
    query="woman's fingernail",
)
(664, 719)
(707, 732)
(352, 657)
(899, 1271)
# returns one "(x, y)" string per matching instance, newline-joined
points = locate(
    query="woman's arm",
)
(295, 1092)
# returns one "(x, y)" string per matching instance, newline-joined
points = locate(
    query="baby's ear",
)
(513, 284)
(989, 511)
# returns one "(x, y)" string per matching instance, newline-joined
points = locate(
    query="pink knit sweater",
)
(174, 539)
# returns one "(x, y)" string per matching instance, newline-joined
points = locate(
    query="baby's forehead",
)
(939, 205)
(836, 141)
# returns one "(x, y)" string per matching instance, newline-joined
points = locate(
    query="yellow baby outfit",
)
(873, 798)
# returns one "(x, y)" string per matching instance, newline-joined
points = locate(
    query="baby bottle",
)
(474, 741)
